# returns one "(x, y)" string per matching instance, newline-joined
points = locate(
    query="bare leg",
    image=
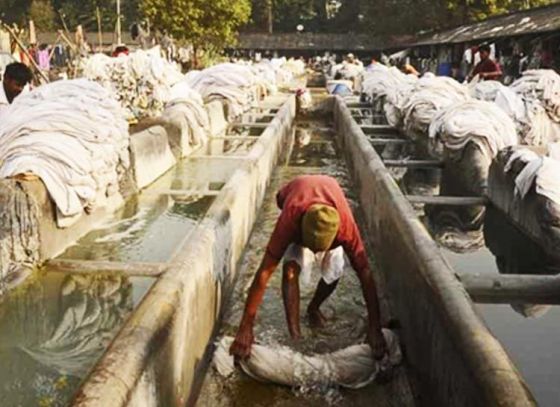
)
(323, 291)
(290, 294)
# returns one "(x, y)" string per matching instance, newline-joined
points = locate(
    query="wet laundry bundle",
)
(539, 172)
(429, 96)
(526, 103)
(187, 111)
(390, 87)
(473, 121)
(229, 82)
(352, 367)
(141, 80)
(74, 136)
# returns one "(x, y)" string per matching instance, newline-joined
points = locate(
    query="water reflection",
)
(54, 329)
(457, 229)
(148, 228)
(515, 253)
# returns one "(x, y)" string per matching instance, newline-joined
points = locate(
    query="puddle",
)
(54, 328)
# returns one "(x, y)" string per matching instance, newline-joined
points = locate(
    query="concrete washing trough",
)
(159, 349)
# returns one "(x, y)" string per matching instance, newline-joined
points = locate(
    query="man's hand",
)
(241, 347)
(378, 344)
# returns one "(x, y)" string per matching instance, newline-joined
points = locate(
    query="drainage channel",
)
(313, 151)
(57, 324)
(487, 252)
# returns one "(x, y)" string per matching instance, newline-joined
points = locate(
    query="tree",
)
(42, 14)
(202, 23)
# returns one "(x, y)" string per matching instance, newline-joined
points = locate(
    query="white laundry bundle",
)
(429, 96)
(141, 80)
(541, 171)
(485, 90)
(353, 367)
(232, 82)
(186, 105)
(522, 102)
(476, 121)
(295, 66)
(71, 134)
(542, 85)
(392, 87)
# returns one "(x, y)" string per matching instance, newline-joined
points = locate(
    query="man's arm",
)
(369, 290)
(241, 347)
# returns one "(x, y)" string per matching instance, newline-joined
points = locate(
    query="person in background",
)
(16, 78)
(120, 50)
(316, 225)
(408, 69)
(457, 73)
(486, 69)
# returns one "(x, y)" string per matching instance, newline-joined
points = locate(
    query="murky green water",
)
(313, 152)
(528, 332)
(54, 328)
(148, 228)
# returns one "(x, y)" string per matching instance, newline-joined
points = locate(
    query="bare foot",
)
(316, 318)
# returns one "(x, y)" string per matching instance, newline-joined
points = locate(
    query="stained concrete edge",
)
(449, 348)
(169, 332)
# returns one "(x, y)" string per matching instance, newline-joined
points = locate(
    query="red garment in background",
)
(486, 66)
(296, 197)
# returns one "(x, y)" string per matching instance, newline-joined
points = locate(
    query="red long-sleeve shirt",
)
(296, 197)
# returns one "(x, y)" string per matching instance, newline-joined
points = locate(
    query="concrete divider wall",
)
(159, 355)
(450, 350)
(151, 157)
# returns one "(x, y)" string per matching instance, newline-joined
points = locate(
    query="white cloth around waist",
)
(331, 263)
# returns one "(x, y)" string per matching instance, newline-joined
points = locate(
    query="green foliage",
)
(381, 17)
(42, 14)
(199, 22)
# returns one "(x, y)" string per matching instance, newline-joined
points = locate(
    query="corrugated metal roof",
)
(533, 21)
(314, 41)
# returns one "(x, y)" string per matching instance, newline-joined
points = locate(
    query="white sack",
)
(352, 367)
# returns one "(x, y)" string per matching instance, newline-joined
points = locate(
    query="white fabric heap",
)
(352, 367)
(428, 97)
(141, 80)
(74, 136)
(232, 82)
(485, 90)
(187, 105)
(482, 123)
(392, 86)
(540, 171)
(539, 91)
(295, 66)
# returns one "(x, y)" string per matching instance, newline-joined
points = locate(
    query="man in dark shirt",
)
(315, 217)
(486, 69)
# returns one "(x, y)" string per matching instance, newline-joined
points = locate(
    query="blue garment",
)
(342, 90)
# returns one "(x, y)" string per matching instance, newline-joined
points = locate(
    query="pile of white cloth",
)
(141, 80)
(542, 85)
(186, 105)
(74, 136)
(533, 109)
(429, 96)
(295, 66)
(485, 90)
(541, 171)
(482, 123)
(352, 367)
(229, 82)
(390, 86)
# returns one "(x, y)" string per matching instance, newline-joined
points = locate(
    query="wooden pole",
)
(119, 33)
(25, 51)
(509, 288)
(99, 29)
